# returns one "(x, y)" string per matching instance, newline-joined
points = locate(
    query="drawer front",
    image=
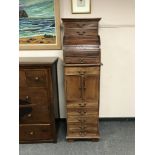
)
(80, 32)
(80, 70)
(36, 77)
(81, 24)
(82, 112)
(81, 104)
(86, 120)
(34, 114)
(34, 96)
(82, 40)
(82, 130)
(36, 132)
(70, 51)
(82, 60)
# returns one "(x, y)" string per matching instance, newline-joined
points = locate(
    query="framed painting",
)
(81, 6)
(39, 24)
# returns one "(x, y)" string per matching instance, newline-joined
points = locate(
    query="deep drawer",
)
(33, 78)
(36, 132)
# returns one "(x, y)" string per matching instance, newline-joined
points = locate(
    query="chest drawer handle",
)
(82, 104)
(29, 115)
(83, 133)
(36, 78)
(31, 133)
(27, 97)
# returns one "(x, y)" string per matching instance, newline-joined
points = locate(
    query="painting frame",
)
(57, 45)
(83, 9)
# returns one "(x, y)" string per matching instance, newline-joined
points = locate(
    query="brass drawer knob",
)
(31, 133)
(29, 115)
(83, 133)
(27, 97)
(36, 78)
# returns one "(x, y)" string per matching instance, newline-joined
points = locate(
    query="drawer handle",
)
(82, 60)
(83, 134)
(81, 112)
(36, 78)
(81, 33)
(82, 120)
(27, 97)
(83, 127)
(31, 133)
(29, 115)
(82, 104)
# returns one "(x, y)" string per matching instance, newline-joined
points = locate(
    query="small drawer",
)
(82, 112)
(36, 78)
(81, 24)
(34, 95)
(82, 70)
(86, 40)
(87, 120)
(80, 32)
(80, 51)
(82, 60)
(37, 114)
(36, 132)
(81, 104)
(82, 130)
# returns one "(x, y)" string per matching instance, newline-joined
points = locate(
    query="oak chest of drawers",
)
(38, 100)
(81, 50)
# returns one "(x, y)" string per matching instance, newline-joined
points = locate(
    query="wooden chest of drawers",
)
(38, 104)
(81, 50)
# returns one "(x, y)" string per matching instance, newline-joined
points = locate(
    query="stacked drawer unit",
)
(82, 58)
(38, 104)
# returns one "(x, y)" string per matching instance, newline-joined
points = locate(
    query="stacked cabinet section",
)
(82, 77)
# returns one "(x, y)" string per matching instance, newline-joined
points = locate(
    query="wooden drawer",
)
(82, 112)
(34, 114)
(81, 24)
(82, 60)
(34, 95)
(82, 130)
(80, 32)
(82, 70)
(33, 77)
(36, 132)
(87, 120)
(81, 40)
(79, 51)
(79, 104)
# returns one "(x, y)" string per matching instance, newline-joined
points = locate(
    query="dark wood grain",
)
(38, 91)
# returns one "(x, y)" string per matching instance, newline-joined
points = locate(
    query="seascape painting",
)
(37, 23)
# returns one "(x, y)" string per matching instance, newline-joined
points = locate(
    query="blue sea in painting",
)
(40, 18)
(29, 27)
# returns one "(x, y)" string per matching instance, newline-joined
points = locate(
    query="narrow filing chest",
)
(81, 50)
